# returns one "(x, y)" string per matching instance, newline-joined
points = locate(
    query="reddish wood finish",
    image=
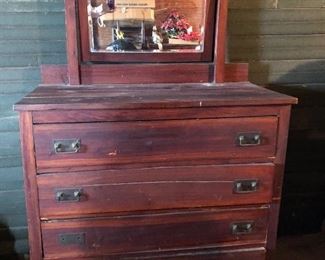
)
(54, 74)
(59, 97)
(236, 72)
(181, 140)
(97, 74)
(138, 233)
(78, 45)
(30, 185)
(280, 159)
(71, 20)
(173, 148)
(74, 116)
(153, 189)
(154, 73)
(220, 253)
(157, 162)
(220, 41)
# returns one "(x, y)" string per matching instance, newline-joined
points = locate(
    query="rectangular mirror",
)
(146, 26)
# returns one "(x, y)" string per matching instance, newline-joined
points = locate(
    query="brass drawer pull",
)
(246, 186)
(67, 146)
(242, 228)
(249, 139)
(68, 195)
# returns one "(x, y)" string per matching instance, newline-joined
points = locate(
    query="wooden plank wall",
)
(284, 42)
(31, 33)
(282, 39)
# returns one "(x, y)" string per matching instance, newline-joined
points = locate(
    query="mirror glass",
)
(146, 26)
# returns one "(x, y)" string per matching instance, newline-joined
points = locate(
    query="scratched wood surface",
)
(141, 96)
(138, 233)
(37, 36)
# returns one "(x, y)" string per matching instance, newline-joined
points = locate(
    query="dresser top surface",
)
(145, 96)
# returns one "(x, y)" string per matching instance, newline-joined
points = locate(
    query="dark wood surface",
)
(149, 154)
(155, 232)
(144, 96)
(146, 73)
(153, 189)
(212, 57)
(95, 74)
(155, 141)
(157, 162)
(219, 253)
(220, 41)
(73, 59)
(30, 186)
(122, 115)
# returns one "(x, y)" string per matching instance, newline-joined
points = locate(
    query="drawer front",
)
(155, 232)
(78, 145)
(211, 254)
(81, 193)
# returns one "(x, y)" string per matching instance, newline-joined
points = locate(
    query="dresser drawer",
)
(222, 253)
(81, 193)
(77, 145)
(154, 232)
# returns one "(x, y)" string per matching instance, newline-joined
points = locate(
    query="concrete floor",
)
(306, 247)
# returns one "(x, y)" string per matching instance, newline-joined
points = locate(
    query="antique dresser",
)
(147, 145)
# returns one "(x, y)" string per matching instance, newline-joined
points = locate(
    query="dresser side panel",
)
(30, 185)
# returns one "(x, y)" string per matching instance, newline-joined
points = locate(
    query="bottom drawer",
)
(246, 253)
(153, 232)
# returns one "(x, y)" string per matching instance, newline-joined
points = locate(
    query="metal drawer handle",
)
(72, 239)
(67, 146)
(246, 186)
(242, 228)
(249, 139)
(68, 195)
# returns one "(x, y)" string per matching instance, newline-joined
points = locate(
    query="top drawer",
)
(95, 144)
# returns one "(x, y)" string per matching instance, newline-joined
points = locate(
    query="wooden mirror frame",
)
(77, 72)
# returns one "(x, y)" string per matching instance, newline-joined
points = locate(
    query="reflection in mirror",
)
(146, 25)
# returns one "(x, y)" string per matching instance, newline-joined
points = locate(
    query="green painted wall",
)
(284, 43)
(283, 40)
(31, 33)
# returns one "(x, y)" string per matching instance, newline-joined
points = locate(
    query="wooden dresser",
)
(134, 156)
(179, 172)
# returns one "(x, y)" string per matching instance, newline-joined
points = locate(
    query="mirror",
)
(146, 26)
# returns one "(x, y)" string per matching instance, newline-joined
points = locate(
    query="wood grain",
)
(220, 41)
(220, 253)
(153, 189)
(30, 185)
(145, 73)
(72, 42)
(121, 115)
(144, 96)
(156, 141)
(280, 161)
(153, 232)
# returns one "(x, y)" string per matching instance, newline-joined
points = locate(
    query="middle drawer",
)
(82, 193)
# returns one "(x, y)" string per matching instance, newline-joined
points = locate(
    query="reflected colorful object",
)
(177, 27)
(152, 26)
